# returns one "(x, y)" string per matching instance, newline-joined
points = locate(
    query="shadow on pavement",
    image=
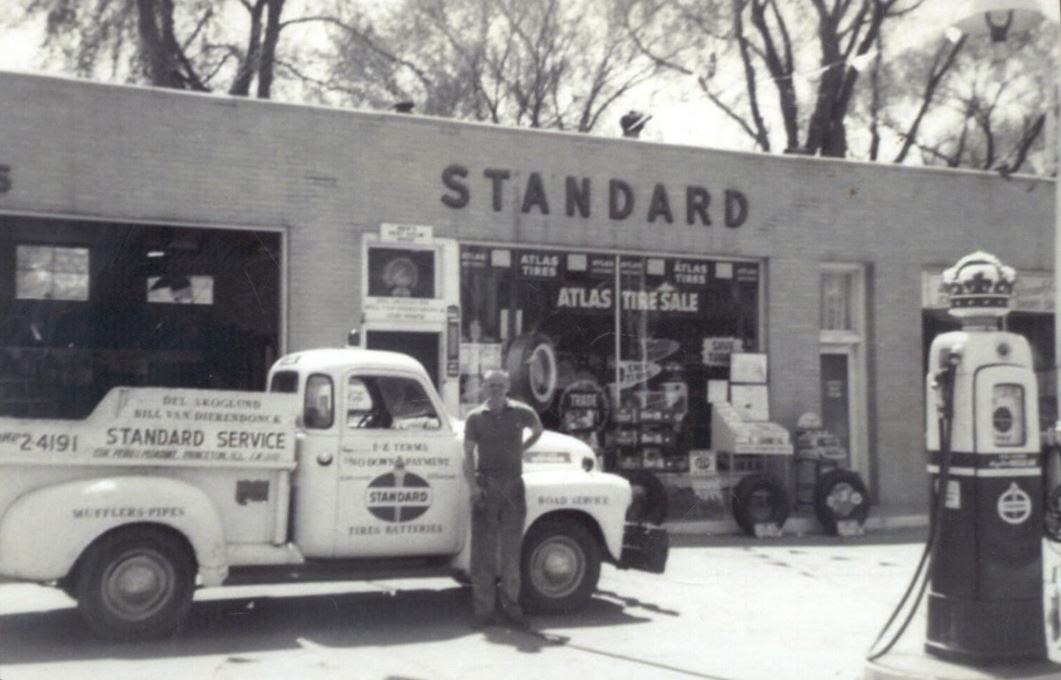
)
(258, 624)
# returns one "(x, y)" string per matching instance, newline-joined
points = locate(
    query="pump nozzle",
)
(943, 379)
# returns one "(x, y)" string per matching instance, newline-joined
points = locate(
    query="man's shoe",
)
(516, 622)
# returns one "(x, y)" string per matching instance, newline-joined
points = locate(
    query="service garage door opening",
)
(87, 306)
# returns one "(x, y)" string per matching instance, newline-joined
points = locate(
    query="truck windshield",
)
(284, 381)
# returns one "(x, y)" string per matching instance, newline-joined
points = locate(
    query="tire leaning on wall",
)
(840, 496)
(760, 499)
(533, 369)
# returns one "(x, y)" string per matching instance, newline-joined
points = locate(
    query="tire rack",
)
(742, 442)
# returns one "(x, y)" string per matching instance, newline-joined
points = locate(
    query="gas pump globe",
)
(984, 461)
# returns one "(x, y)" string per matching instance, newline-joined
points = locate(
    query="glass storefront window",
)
(617, 350)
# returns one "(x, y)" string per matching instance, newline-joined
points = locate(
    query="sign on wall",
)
(406, 233)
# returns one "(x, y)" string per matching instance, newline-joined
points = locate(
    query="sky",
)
(680, 115)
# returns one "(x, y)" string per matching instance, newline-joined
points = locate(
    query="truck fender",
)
(74, 514)
(610, 532)
(601, 497)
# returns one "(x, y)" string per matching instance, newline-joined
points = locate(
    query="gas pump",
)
(986, 596)
(1052, 544)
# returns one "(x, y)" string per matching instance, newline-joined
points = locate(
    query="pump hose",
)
(920, 577)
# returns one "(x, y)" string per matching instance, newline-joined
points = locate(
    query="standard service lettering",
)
(230, 439)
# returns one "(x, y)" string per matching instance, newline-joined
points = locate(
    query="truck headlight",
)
(588, 463)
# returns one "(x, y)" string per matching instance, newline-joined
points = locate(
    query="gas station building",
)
(152, 237)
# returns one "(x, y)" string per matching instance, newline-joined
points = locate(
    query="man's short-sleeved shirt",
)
(499, 437)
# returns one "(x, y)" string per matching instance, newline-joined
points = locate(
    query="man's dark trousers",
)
(497, 537)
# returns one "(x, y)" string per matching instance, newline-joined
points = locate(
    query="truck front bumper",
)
(645, 548)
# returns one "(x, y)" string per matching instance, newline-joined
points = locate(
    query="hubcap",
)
(843, 499)
(138, 585)
(557, 567)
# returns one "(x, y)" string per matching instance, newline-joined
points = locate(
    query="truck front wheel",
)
(561, 567)
(135, 584)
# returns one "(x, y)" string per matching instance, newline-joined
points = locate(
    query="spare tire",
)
(840, 496)
(532, 367)
(650, 498)
(759, 499)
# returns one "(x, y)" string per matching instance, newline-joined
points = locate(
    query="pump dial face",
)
(1007, 414)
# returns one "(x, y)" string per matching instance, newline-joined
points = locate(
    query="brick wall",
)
(326, 176)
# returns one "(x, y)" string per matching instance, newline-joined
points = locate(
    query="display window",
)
(615, 349)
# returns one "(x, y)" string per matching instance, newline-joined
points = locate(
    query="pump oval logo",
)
(398, 496)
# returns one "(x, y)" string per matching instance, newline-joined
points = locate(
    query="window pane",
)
(318, 402)
(71, 260)
(836, 301)
(408, 404)
(179, 289)
(69, 287)
(34, 257)
(285, 382)
(33, 285)
(51, 273)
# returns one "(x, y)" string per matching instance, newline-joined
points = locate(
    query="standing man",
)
(499, 506)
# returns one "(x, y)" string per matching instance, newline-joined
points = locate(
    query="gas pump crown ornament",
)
(979, 285)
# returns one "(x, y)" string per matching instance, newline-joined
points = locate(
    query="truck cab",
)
(380, 468)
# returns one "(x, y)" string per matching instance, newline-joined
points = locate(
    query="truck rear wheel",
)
(560, 567)
(135, 584)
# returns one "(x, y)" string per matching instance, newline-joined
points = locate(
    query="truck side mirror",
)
(353, 338)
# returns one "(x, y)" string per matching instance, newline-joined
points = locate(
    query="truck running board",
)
(343, 570)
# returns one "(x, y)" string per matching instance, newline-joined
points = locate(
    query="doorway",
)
(422, 346)
(836, 397)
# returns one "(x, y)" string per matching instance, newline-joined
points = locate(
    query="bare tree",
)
(190, 45)
(989, 112)
(534, 63)
(777, 47)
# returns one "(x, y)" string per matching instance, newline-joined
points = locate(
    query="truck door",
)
(401, 484)
(315, 482)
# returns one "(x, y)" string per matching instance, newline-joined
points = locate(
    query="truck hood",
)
(552, 451)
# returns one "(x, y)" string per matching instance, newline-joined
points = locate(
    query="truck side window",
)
(364, 409)
(318, 408)
(378, 402)
(285, 382)
(408, 404)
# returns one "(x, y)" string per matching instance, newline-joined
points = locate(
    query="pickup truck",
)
(346, 468)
